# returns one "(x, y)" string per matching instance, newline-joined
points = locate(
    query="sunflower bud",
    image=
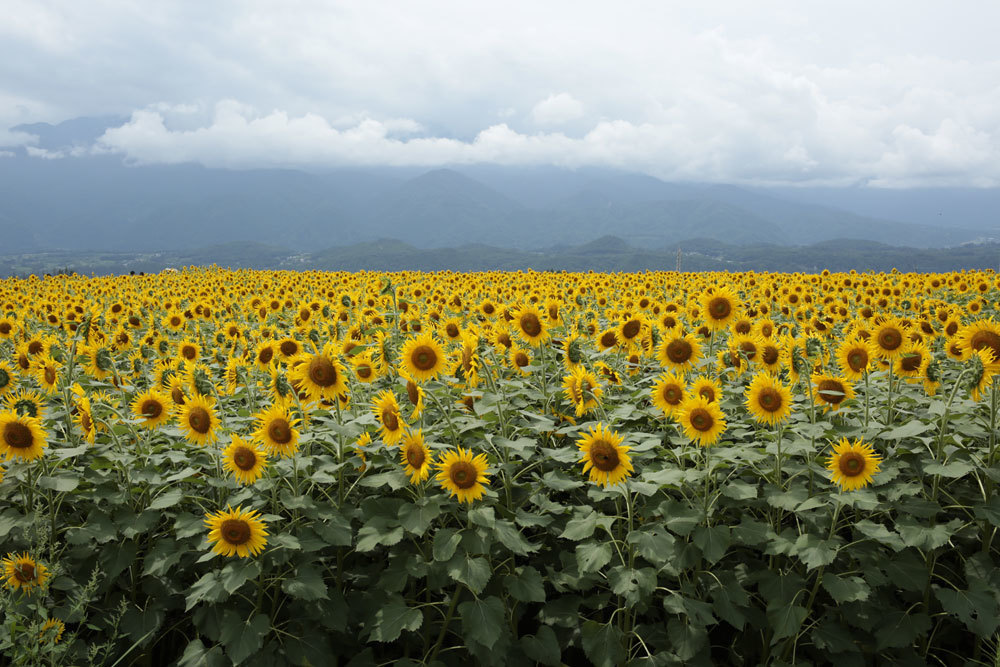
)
(282, 386)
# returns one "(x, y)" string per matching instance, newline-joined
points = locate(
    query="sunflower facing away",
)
(768, 400)
(853, 464)
(198, 420)
(423, 358)
(21, 437)
(416, 456)
(462, 474)
(604, 456)
(244, 460)
(276, 431)
(236, 532)
(52, 630)
(23, 573)
(386, 411)
(701, 421)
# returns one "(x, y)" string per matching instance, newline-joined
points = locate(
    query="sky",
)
(886, 93)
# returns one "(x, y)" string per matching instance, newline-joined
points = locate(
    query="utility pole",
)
(678, 259)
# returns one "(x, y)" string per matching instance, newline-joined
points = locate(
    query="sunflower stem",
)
(444, 625)
(944, 424)
(889, 417)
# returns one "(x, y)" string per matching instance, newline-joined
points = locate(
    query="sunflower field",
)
(216, 467)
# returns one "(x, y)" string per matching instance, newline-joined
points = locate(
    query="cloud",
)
(10, 139)
(557, 110)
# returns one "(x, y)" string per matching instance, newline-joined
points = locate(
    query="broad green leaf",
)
(633, 585)
(603, 644)
(473, 572)
(60, 483)
(378, 531)
(785, 621)
(166, 499)
(713, 541)
(526, 585)
(417, 517)
(196, 654)
(926, 537)
(446, 541)
(815, 551)
(307, 584)
(482, 620)
(952, 469)
(237, 572)
(845, 589)
(542, 647)
(881, 534)
(482, 516)
(976, 608)
(243, 638)
(511, 537)
(897, 629)
(207, 589)
(335, 529)
(580, 527)
(392, 618)
(908, 430)
(739, 490)
(592, 556)
(654, 547)
(686, 639)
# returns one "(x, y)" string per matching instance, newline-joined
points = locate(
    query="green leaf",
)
(926, 537)
(900, 628)
(307, 584)
(526, 585)
(881, 534)
(814, 551)
(473, 572)
(713, 541)
(786, 620)
(542, 647)
(60, 483)
(482, 620)
(209, 589)
(952, 469)
(654, 547)
(686, 639)
(482, 516)
(236, 573)
(392, 618)
(679, 518)
(908, 430)
(592, 556)
(580, 527)
(166, 499)
(976, 608)
(196, 655)
(243, 638)
(634, 585)
(739, 490)
(751, 532)
(845, 589)
(335, 529)
(396, 479)
(603, 644)
(446, 541)
(417, 517)
(379, 531)
(511, 537)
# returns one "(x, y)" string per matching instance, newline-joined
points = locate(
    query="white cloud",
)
(557, 110)
(9, 138)
(7, 153)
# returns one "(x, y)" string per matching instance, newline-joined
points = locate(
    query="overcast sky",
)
(888, 93)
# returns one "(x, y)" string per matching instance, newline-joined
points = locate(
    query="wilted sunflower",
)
(422, 358)
(582, 390)
(276, 431)
(416, 456)
(701, 421)
(853, 464)
(768, 400)
(529, 323)
(854, 356)
(462, 474)
(21, 437)
(320, 375)
(198, 420)
(244, 460)
(24, 573)
(679, 351)
(668, 393)
(386, 411)
(604, 456)
(236, 532)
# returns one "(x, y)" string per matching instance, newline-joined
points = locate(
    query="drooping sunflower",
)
(668, 393)
(604, 456)
(572, 351)
(386, 411)
(276, 430)
(679, 351)
(422, 358)
(84, 415)
(319, 375)
(21, 437)
(705, 387)
(768, 399)
(23, 573)
(582, 390)
(854, 356)
(462, 474)
(831, 391)
(701, 421)
(414, 394)
(529, 323)
(198, 420)
(853, 465)
(244, 460)
(416, 456)
(719, 307)
(984, 369)
(236, 532)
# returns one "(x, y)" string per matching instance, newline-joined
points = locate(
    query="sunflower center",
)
(504, 339)
(679, 351)
(852, 464)
(424, 357)
(4, 328)
(189, 352)
(279, 431)
(34, 347)
(748, 349)
(530, 324)
(22, 361)
(890, 339)
(265, 355)
(415, 455)
(364, 372)
(857, 360)
(521, 359)
(604, 455)
(289, 347)
(701, 419)
(85, 422)
(831, 391)
(17, 435)
(235, 531)
(463, 474)
(4, 378)
(631, 329)
(50, 375)
(177, 395)
(25, 572)
(199, 419)
(452, 330)
(672, 394)
(742, 327)
(389, 420)
(770, 355)
(911, 362)
(986, 339)
(244, 458)
(770, 399)
(720, 308)
(412, 392)
(951, 329)
(322, 372)
(707, 393)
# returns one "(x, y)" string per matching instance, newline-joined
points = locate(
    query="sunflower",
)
(198, 420)
(981, 335)
(8, 377)
(631, 329)
(983, 371)
(701, 421)
(529, 323)
(24, 573)
(27, 402)
(236, 532)
(21, 437)
(363, 441)
(462, 474)
(414, 394)
(572, 351)
(582, 390)
(364, 368)
(289, 347)
(386, 410)
(188, 350)
(604, 456)
(854, 356)
(679, 351)
(668, 393)
(244, 460)
(84, 415)
(719, 307)
(607, 339)
(416, 456)
(831, 390)
(520, 360)
(768, 400)
(912, 363)
(707, 388)
(47, 373)
(276, 430)
(52, 630)
(423, 358)
(319, 375)
(264, 354)
(853, 464)
(889, 339)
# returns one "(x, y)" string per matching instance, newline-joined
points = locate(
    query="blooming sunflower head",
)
(236, 532)
(21, 437)
(831, 391)
(319, 375)
(604, 456)
(386, 411)
(244, 460)
(23, 573)
(768, 400)
(276, 430)
(198, 420)
(702, 422)
(463, 474)
(668, 393)
(423, 358)
(151, 408)
(853, 465)
(416, 456)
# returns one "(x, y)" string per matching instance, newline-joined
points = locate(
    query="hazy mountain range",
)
(94, 202)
